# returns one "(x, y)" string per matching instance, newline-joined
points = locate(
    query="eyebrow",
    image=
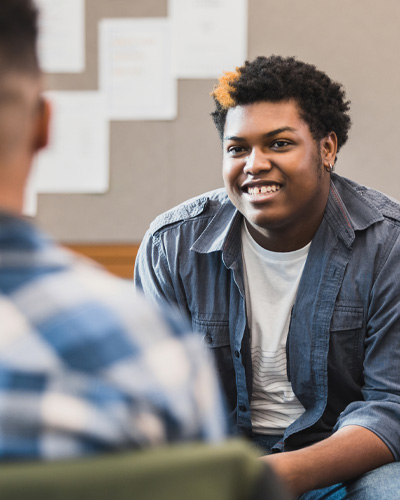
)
(266, 136)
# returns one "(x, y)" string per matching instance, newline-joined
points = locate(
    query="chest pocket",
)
(346, 347)
(347, 317)
(215, 332)
(216, 337)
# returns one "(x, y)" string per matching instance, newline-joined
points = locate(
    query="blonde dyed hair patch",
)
(222, 92)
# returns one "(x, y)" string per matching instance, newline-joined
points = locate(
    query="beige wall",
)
(155, 165)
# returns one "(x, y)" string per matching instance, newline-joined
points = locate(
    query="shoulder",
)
(88, 306)
(52, 284)
(122, 326)
(387, 206)
(203, 206)
(125, 307)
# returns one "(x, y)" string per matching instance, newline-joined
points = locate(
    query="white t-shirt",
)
(271, 283)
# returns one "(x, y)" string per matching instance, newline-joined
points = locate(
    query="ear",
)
(42, 125)
(328, 149)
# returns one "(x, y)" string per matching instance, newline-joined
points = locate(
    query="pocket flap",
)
(347, 317)
(215, 333)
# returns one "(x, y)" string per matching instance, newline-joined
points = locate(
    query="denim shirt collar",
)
(222, 234)
(348, 211)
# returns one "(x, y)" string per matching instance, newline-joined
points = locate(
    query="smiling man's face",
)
(274, 173)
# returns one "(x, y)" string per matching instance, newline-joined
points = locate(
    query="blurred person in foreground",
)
(291, 273)
(86, 364)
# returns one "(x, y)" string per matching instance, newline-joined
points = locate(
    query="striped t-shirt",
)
(271, 283)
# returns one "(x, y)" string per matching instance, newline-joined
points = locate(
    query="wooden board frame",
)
(119, 259)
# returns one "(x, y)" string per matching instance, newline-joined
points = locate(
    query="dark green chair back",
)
(229, 471)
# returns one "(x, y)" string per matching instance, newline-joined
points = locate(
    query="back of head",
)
(322, 102)
(18, 37)
(19, 70)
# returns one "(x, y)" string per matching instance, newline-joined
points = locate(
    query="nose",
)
(256, 162)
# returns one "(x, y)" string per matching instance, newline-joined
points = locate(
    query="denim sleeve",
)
(157, 275)
(152, 273)
(380, 410)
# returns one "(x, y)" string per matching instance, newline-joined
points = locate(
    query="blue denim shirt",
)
(343, 346)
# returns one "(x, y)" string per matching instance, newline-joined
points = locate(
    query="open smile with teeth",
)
(263, 189)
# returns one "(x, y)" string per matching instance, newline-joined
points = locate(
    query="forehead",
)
(264, 117)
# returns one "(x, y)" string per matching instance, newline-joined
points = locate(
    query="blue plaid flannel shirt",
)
(86, 364)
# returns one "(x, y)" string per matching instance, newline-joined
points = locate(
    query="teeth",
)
(263, 189)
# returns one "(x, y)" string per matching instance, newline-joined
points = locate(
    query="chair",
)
(195, 471)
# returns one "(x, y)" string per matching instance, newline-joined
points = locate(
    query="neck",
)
(291, 237)
(11, 201)
(278, 241)
(13, 178)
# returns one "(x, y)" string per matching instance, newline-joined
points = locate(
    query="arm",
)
(152, 274)
(348, 453)
(367, 433)
(156, 277)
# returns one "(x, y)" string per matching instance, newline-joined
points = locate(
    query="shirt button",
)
(237, 354)
(242, 408)
(207, 338)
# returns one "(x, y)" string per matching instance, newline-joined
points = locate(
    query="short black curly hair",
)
(322, 102)
(18, 36)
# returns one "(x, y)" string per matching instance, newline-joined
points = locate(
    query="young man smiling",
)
(290, 273)
(283, 206)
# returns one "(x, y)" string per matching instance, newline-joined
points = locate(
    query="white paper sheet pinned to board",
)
(209, 36)
(77, 157)
(135, 70)
(62, 35)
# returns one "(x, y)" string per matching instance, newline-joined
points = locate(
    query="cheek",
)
(226, 171)
(228, 184)
(308, 177)
(231, 170)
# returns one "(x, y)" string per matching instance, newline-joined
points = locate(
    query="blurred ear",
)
(42, 125)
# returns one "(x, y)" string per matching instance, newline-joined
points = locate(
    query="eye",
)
(280, 144)
(236, 150)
